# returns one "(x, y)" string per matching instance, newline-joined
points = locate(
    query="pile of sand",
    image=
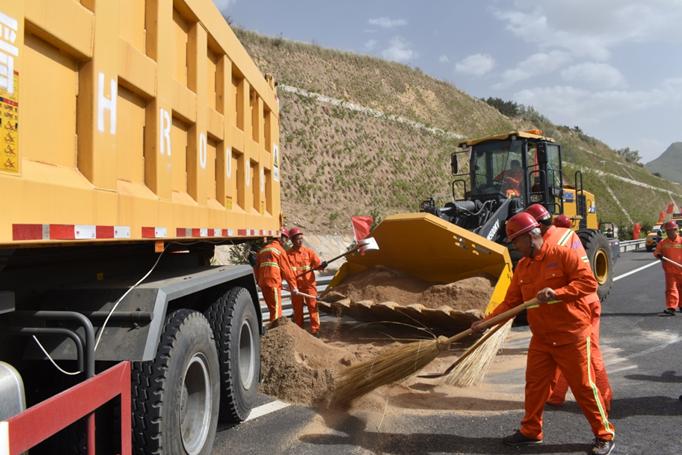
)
(297, 367)
(383, 284)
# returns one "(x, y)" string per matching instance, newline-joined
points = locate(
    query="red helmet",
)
(520, 223)
(285, 232)
(562, 221)
(538, 211)
(294, 231)
(670, 225)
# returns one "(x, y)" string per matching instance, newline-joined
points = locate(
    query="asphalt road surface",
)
(643, 354)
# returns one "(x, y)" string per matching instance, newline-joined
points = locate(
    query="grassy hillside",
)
(365, 136)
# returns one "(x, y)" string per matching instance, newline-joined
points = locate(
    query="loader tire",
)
(235, 327)
(599, 253)
(176, 395)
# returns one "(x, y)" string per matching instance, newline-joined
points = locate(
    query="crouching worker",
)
(304, 261)
(560, 327)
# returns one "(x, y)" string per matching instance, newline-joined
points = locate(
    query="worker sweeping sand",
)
(382, 284)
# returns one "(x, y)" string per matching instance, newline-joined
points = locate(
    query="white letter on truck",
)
(164, 128)
(104, 103)
(202, 150)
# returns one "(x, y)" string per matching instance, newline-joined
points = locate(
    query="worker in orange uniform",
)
(671, 248)
(304, 261)
(511, 179)
(560, 326)
(567, 237)
(272, 265)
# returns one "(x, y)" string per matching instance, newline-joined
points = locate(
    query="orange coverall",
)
(568, 238)
(561, 335)
(302, 260)
(511, 181)
(273, 265)
(672, 249)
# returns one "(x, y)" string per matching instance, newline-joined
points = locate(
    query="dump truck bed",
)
(109, 132)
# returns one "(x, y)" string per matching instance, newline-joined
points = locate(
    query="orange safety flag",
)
(362, 226)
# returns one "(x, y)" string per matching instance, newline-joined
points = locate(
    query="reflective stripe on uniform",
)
(595, 391)
(302, 268)
(269, 264)
(278, 303)
(564, 238)
(273, 250)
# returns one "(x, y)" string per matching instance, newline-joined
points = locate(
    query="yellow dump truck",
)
(135, 135)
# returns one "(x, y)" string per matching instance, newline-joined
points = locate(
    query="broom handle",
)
(672, 262)
(353, 250)
(496, 319)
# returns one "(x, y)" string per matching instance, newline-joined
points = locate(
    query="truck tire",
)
(176, 396)
(599, 253)
(237, 336)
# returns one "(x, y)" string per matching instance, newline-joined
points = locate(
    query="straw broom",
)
(395, 364)
(470, 369)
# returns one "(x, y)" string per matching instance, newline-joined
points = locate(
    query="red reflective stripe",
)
(148, 233)
(104, 232)
(179, 232)
(27, 232)
(195, 232)
(241, 231)
(62, 232)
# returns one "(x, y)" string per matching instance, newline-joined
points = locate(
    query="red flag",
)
(362, 225)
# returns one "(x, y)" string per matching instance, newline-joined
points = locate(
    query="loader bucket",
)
(436, 251)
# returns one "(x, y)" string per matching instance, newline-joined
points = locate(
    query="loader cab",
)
(525, 166)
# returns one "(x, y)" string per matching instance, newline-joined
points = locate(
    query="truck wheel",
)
(176, 396)
(599, 253)
(237, 337)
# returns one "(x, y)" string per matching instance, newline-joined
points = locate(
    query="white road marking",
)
(266, 409)
(645, 352)
(636, 270)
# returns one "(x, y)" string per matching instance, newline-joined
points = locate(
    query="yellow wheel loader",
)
(504, 174)
(508, 172)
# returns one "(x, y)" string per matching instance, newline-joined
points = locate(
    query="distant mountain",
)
(669, 164)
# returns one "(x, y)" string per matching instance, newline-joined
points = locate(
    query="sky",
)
(611, 67)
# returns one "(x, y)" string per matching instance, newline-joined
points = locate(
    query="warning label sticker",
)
(9, 128)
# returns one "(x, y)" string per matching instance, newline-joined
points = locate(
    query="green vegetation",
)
(340, 161)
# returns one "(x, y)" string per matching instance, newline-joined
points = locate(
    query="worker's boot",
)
(519, 439)
(602, 446)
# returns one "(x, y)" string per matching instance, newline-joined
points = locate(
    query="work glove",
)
(322, 266)
(659, 256)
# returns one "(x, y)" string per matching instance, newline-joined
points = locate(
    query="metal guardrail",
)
(631, 245)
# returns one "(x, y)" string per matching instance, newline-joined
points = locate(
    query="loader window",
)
(498, 168)
(553, 166)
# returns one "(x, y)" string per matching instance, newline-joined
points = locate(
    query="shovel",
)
(363, 245)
